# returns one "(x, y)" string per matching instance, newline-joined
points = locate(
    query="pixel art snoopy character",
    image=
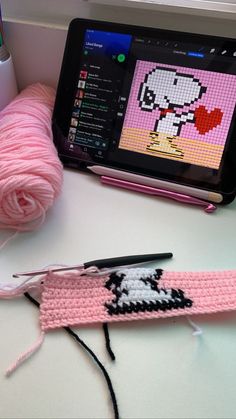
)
(168, 90)
(138, 290)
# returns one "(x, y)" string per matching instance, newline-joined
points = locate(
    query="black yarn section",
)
(95, 358)
(150, 306)
(108, 342)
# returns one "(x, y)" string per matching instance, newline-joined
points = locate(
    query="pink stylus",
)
(208, 207)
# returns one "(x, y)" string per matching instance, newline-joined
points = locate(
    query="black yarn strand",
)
(108, 341)
(31, 299)
(95, 358)
(101, 366)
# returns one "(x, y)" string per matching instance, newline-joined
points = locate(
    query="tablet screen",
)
(161, 105)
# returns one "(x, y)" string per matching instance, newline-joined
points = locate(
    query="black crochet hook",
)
(103, 263)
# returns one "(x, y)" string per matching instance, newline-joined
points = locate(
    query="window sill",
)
(211, 8)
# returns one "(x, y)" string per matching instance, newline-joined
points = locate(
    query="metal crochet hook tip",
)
(45, 271)
(102, 263)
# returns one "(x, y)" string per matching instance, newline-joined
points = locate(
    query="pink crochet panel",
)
(72, 299)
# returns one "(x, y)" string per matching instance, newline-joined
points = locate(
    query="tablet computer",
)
(149, 105)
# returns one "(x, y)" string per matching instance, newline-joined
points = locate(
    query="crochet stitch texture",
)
(133, 294)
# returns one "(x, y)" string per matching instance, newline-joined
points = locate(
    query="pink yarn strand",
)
(26, 355)
(8, 239)
(8, 291)
(30, 171)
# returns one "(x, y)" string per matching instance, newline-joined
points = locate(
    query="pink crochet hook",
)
(207, 206)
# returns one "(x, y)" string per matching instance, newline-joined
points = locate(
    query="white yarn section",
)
(197, 330)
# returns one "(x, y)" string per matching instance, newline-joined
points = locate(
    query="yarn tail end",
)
(26, 355)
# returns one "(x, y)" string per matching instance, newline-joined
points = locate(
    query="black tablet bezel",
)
(65, 96)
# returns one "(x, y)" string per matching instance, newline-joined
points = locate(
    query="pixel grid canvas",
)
(179, 113)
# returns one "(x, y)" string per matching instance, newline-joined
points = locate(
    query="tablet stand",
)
(207, 206)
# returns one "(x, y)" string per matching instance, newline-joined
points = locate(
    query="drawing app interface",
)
(147, 100)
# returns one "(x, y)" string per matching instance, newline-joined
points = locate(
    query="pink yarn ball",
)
(30, 171)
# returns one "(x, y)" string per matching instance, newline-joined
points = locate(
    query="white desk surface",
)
(161, 370)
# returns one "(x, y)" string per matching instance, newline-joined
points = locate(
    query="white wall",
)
(61, 11)
(36, 30)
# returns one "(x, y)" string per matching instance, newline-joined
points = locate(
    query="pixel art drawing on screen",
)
(179, 113)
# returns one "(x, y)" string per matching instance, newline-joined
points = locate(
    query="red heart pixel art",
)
(205, 121)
